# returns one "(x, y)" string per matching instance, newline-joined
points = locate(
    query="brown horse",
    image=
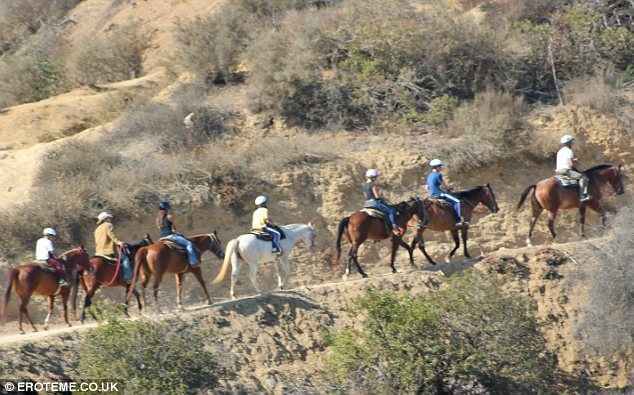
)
(360, 227)
(158, 259)
(102, 273)
(441, 218)
(550, 195)
(31, 278)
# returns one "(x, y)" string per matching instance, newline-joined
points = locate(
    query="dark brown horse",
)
(103, 273)
(550, 195)
(360, 227)
(158, 259)
(31, 278)
(441, 218)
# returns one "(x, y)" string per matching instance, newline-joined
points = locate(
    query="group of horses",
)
(153, 259)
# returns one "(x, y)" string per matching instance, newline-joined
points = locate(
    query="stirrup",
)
(585, 198)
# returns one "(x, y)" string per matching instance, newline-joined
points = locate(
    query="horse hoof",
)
(344, 277)
(364, 275)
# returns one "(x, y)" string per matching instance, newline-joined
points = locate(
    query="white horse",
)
(247, 248)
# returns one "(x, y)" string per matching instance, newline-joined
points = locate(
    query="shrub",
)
(469, 336)
(606, 324)
(148, 356)
(115, 56)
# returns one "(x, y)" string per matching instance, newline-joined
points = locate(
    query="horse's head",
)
(417, 207)
(76, 259)
(617, 180)
(488, 198)
(215, 245)
(309, 236)
(147, 239)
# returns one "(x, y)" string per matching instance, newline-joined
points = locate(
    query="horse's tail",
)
(140, 259)
(525, 194)
(232, 247)
(343, 225)
(13, 275)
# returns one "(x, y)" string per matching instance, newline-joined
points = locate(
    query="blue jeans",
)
(126, 265)
(275, 235)
(192, 252)
(455, 203)
(389, 210)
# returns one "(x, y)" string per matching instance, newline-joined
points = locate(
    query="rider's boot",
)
(397, 230)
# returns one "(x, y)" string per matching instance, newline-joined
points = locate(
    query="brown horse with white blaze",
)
(550, 195)
(360, 226)
(158, 259)
(441, 218)
(30, 278)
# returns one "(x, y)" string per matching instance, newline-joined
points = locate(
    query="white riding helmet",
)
(372, 173)
(188, 120)
(260, 200)
(103, 216)
(436, 163)
(49, 232)
(567, 139)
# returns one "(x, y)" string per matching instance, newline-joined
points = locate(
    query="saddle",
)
(173, 246)
(262, 235)
(567, 182)
(374, 213)
(428, 202)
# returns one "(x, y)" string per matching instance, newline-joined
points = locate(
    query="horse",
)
(158, 259)
(30, 278)
(441, 218)
(248, 248)
(360, 226)
(550, 195)
(102, 273)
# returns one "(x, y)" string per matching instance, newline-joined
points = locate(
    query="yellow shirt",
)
(260, 218)
(105, 240)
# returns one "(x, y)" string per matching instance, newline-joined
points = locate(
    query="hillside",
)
(295, 100)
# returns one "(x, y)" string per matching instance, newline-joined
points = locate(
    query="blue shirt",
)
(434, 183)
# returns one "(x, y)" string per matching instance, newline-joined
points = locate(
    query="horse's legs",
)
(199, 276)
(410, 250)
(24, 311)
(537, 210)
(235, 272)
(88, 302)
(456, 240)
(51, 305)
(421, 246)
(158, 277)
(465, 236)
(353, 255)
(582, 220)
(395, 245)
(595, 206)
(137, 296)
(552, 215)
(285, 271)
(179, 289)
(65, 296)
(145, 280)
(253, 271)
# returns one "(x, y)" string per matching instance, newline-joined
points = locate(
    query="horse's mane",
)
(597, 168)
(466, 192)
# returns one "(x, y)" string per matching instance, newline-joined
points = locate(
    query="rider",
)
(262, 223)
(105, 238)
(374, 199)
(566, 166)
(437, 188)
(167, 230)
(45, 253)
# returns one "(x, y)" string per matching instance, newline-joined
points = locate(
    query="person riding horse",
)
(106, 241)
(262, 223)
(375, 200)
(167, 231)
(45, 254)
(566, 161)
(437, 188)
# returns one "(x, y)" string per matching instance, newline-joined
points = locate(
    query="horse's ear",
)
(215, 232)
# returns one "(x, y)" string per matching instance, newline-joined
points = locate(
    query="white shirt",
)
(43, 247)
(564, 159)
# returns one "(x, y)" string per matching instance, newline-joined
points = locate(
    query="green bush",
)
(150, 357)
(469, 336)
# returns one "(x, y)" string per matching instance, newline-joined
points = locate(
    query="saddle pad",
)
(440, 202)
(108, 259)
(567, 181)
(171, 245)
(262, 236)
(372, 212)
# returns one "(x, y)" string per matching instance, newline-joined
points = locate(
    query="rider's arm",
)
(376, 191)
(112, 236)
(171, 218)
